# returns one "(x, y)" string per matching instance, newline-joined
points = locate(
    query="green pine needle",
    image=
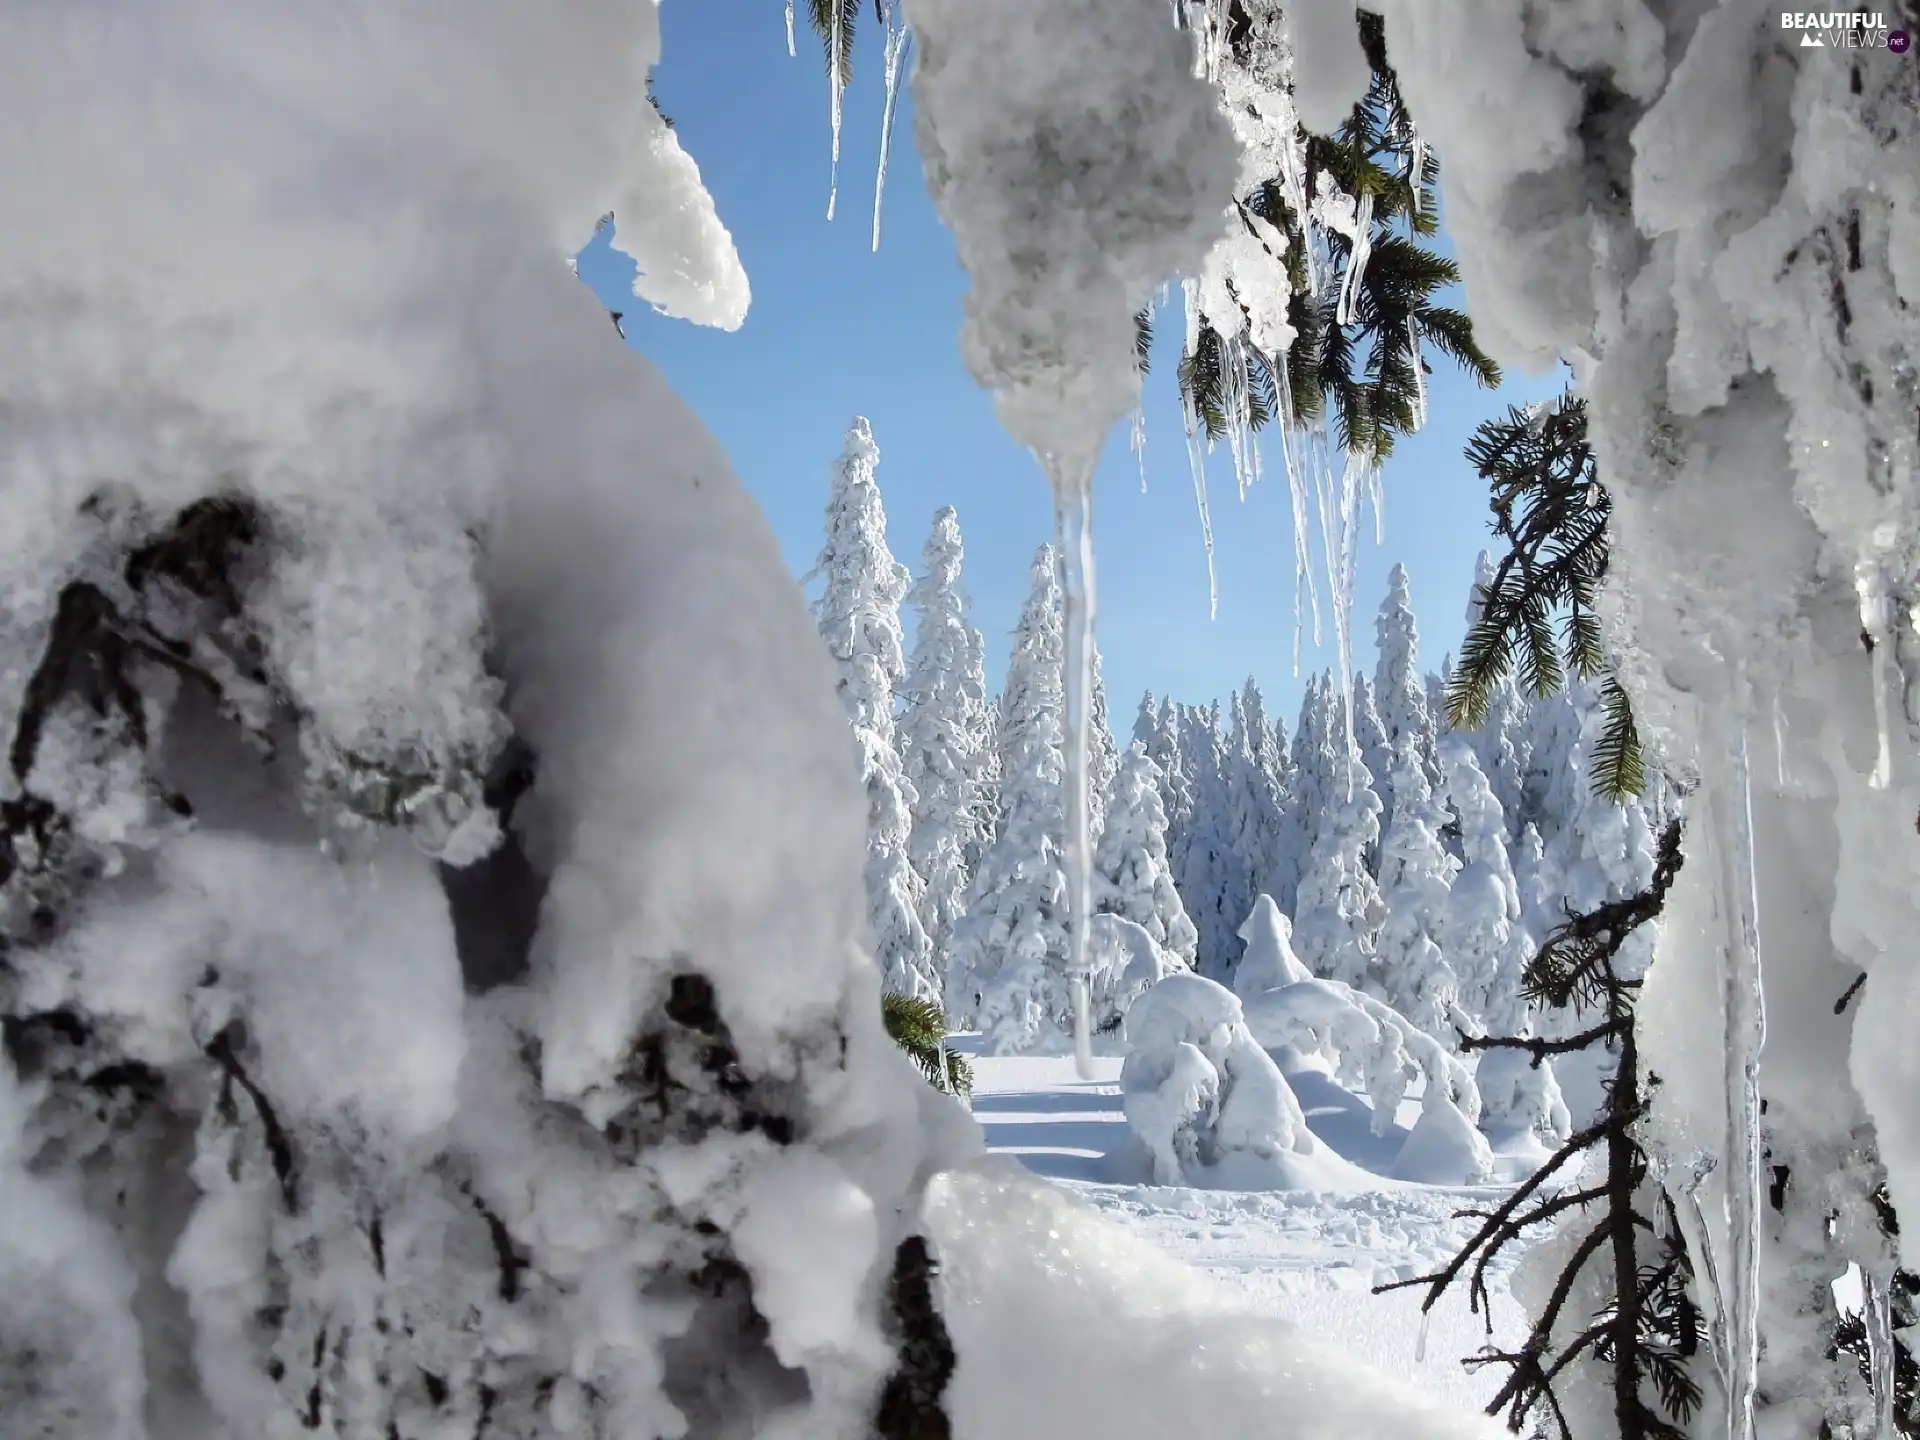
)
(919, 1027)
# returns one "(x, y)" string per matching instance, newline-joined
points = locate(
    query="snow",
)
(1073, 192)
(1110, 1338)
(1308, 1256)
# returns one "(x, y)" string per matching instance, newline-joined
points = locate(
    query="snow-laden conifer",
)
(1311, 766)
(1133, 876)
(1339, 910)
(1411, 967)
(858, 611)
(942, 727)
(1399, 686)
(1206, 866)
(1502, 741)
(1486, 942)
(1376, 753)
(1010, 948)
(1253, 797)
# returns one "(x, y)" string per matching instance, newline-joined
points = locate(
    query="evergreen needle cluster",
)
(1538, 614)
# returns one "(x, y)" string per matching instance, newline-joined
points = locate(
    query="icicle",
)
(1073, 501)
(1779, 743)
(1137, 442)
(835, 89)
(1197, 461)
(1699, 1242)
(1874, 629)
(1293, 442)
(1357, 265)
(790, 50)
(1877, 1303)
(897, 36)
(1339, 511)
(1419, 375)
(1420, 1341)
(1745, 1000)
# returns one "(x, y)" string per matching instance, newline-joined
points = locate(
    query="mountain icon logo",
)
(1810, 41)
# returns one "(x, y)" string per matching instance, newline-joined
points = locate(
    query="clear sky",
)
(836, 330)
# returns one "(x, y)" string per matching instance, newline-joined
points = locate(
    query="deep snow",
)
(1311, 1258)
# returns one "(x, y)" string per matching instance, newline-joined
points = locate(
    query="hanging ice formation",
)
(836, 91)
(1731, 808)
(1073, 501)
(1877, 632)
(898, 37)
(1053, 336)
(1877, 1307)
(790, 50)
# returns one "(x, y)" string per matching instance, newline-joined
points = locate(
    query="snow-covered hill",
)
(1312, 1258)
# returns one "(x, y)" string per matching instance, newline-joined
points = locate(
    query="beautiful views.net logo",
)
(1845, 30)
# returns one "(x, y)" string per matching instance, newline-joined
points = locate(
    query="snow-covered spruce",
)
(1410, 967)
(862, 586)
(1206, 862)
(1377, 1052)
(945, 726)
(1007, 974)
(1339, 911)
(1206, 1104)
(1487, 941)
(1399, 687)
(1133, 876)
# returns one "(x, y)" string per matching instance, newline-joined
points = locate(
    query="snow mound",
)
(1444, 1148)
(1518, 1096)
(1269, 963)
(1067, 1325)
(1374, 1049)
(1208, 1106)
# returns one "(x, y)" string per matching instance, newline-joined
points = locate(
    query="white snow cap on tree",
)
(859, 617)
(1269, 962)
(1133, 876)
(941, 732)
(1010, 951)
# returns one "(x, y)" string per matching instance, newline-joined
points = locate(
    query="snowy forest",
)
(486, 955)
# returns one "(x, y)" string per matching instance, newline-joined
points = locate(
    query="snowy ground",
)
(1312, 1258)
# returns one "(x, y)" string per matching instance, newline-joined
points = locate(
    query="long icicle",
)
(1877, 1311)
(1072, 481)
(835, 60)
(897, 39)
(1746, 1011)
(790, 50)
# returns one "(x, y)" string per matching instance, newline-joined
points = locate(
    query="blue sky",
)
(836, 331)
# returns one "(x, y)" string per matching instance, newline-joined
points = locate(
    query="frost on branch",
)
(345, 555)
